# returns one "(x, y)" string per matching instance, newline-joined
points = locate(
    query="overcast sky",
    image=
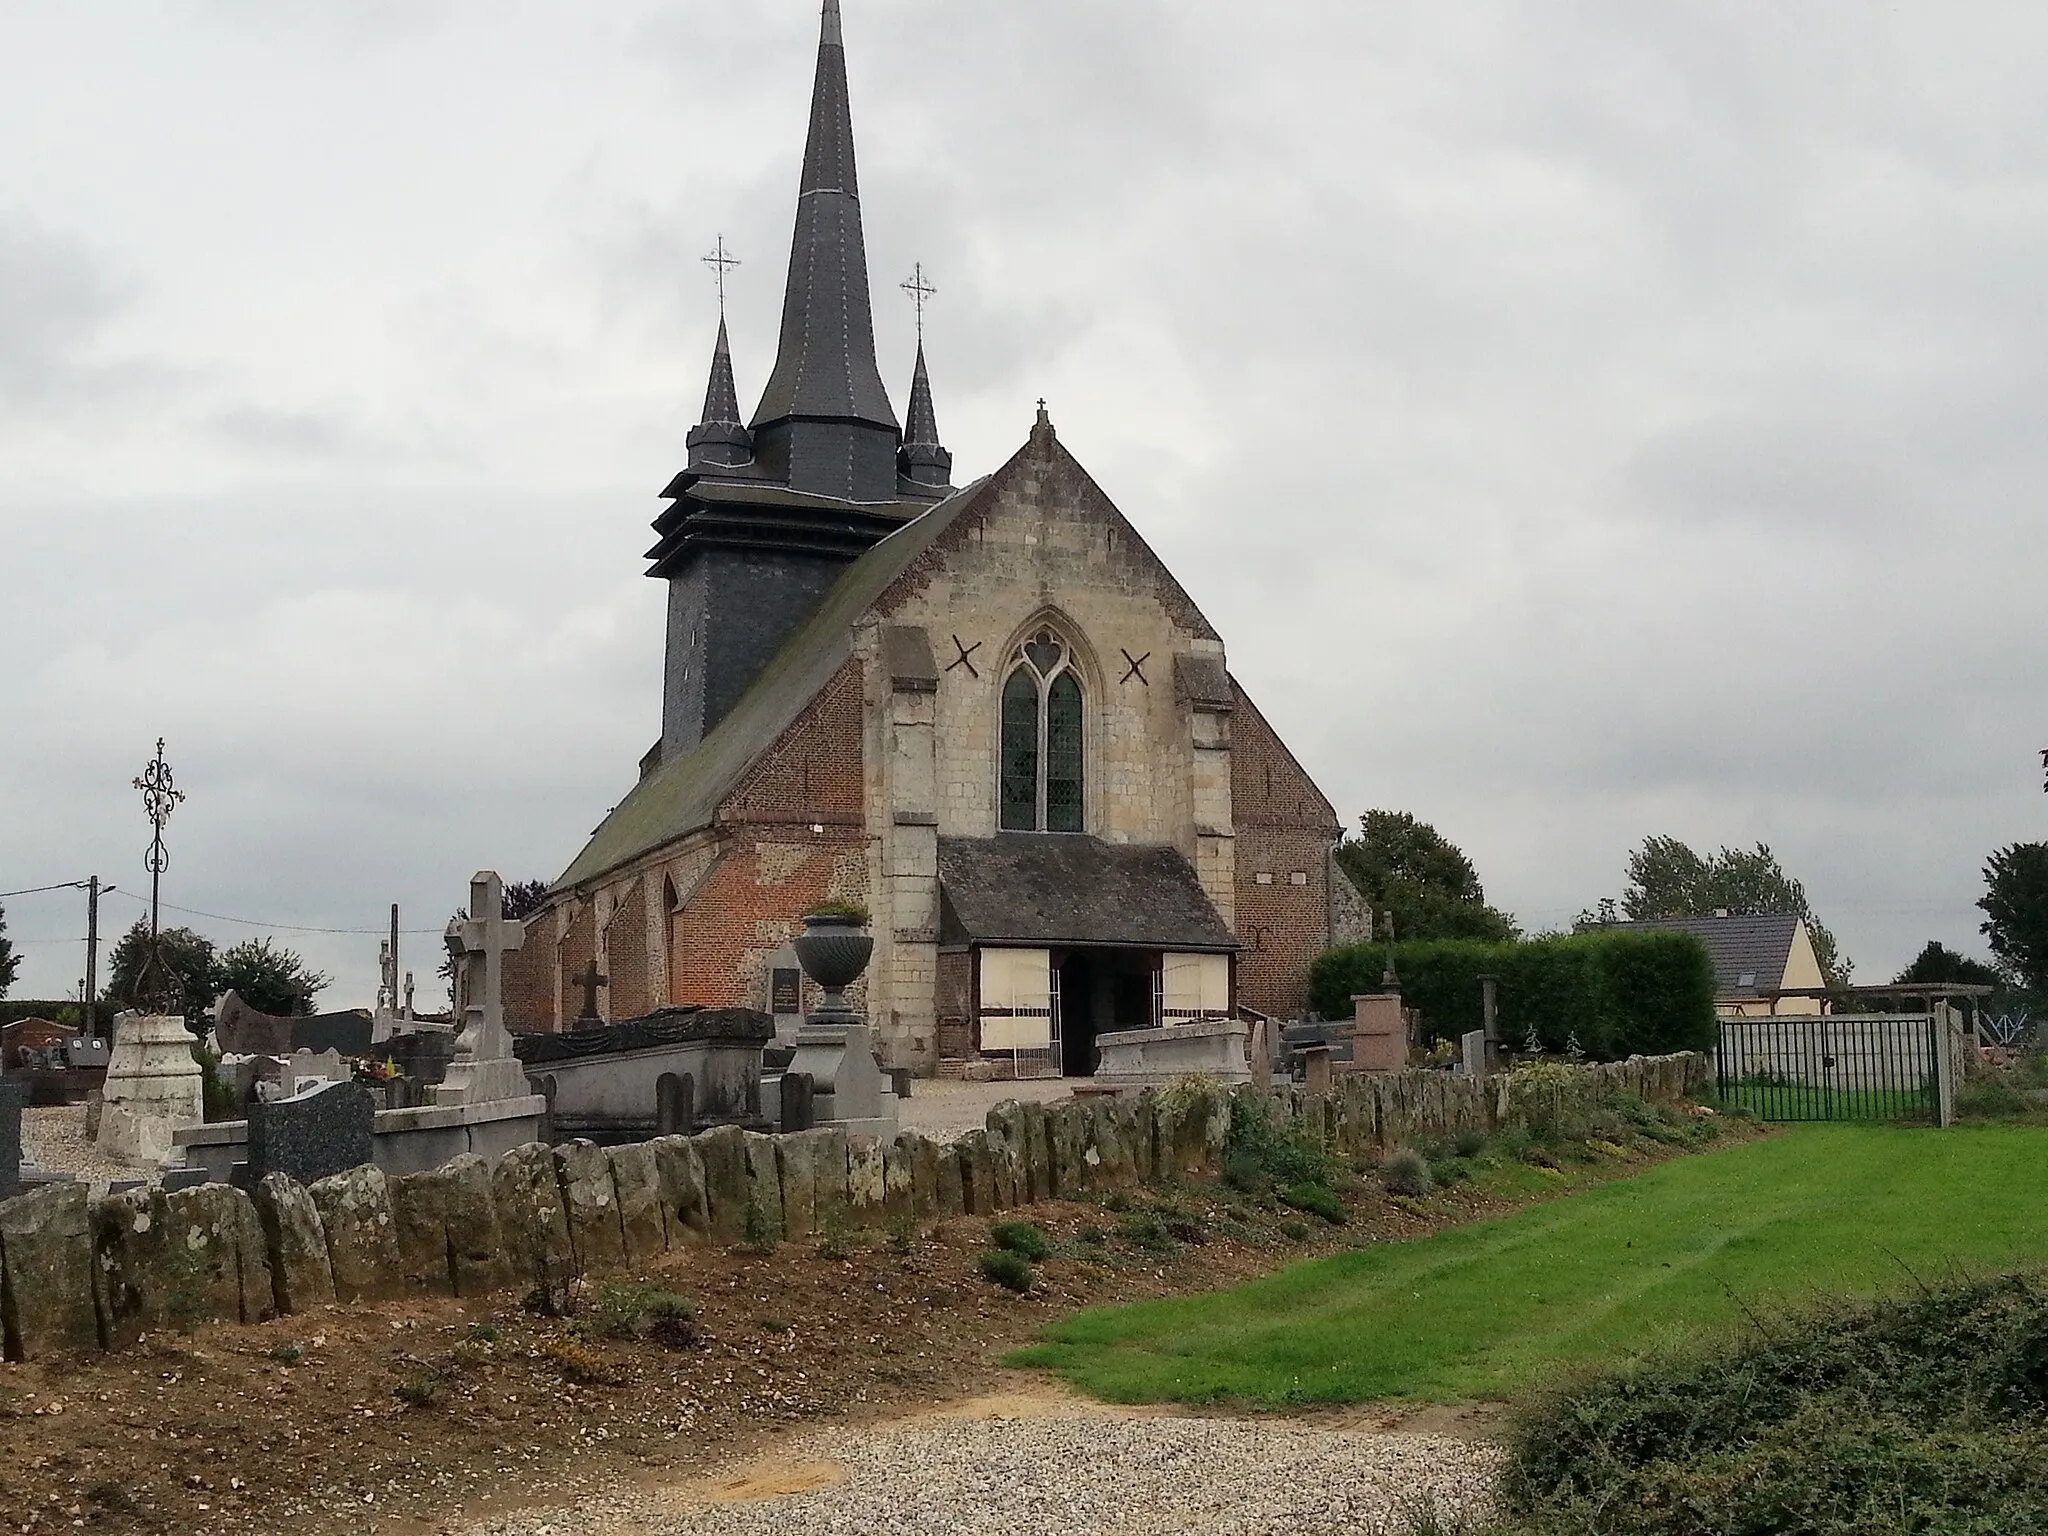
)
(1582, 420)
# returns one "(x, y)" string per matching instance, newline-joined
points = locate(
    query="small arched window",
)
(1040, 789)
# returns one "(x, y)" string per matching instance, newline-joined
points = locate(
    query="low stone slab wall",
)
(83, 1275)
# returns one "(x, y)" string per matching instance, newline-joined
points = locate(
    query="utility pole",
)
(92, 954)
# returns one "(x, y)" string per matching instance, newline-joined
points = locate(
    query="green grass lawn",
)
(1483, 1310)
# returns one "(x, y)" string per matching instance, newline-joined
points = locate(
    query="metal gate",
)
(1869, 1067)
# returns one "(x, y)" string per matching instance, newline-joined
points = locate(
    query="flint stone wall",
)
(77, 1275)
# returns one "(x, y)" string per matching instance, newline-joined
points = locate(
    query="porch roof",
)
(1060, 889)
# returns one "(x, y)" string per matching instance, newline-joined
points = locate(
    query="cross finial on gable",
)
(1042, 434)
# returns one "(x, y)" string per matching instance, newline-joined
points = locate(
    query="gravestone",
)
(327, 1129)
(1472, 1053)
(785, 999)
(13, 1096)
(484, 1069)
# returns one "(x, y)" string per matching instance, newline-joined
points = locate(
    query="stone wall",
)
(83, 1275)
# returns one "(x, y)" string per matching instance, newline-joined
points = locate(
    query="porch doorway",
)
(1101, 991)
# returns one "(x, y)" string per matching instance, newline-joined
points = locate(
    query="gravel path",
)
(55, 1137)
(1076, 1473)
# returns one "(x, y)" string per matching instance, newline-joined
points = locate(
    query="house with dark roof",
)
(1756, 957)
(988, 713)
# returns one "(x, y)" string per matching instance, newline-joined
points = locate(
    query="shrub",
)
(1146, 1232)
(422, 1389)
(1009, 1269)
(1317, 1200)
(1294, 1231)
(1992, 1098)
(1406, 1172)
(757, 1232)
(637, 1311)
(1926, 1414)
(1021, 1237)
(288, 1354)
(484, 1332)
(1618, 993)
(1260, 1147)
(580, 1363)
(1469, 1143)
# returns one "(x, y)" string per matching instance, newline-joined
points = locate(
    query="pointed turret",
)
(924, 467)
(720, 439)
(825, 420)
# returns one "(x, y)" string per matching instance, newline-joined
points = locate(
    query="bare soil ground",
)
(430, 1415)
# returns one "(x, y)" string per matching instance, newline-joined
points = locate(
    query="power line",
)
(250, 922)
(37, 890)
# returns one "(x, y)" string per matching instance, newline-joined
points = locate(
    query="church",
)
(985, 714)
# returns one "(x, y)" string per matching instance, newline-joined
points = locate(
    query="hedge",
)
(1618, 994)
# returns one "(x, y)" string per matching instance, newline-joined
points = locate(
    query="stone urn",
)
(833, 949)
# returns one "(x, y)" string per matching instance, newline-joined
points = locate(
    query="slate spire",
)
(925, 467)
(721, 438)
(825, 371)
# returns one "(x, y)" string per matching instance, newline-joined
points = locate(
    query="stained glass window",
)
(1020, 753)
(1041, 768)
(1063, 754)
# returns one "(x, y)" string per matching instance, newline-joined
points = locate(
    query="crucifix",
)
(484, 1067)
(590, 980)
(721, 261)
(919, 290)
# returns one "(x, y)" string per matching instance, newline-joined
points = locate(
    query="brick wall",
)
(577, 949)
(633, 982)
(793, 836)
(529, 986)
(1284, 831)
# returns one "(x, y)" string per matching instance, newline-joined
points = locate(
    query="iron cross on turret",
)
(721, 261)
(920, 290)
(590, 980)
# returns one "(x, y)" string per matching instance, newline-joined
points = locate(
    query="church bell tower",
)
(766, 514)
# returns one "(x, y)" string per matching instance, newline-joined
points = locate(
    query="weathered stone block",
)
(362, 1247)
(867, 1181)
(949, 1194)
(638, 1187)
(764, 1182)
(1066, 1132)
(300, 1276)
(977, 1174)
(129, 1231)
(727, 1185)
(585, 1174)
(419, 1222)
(1037, 1150)
(1115, 1168)
(476, 1238)
(214, 1231)
(533, 1223)
(46, 1303)
(796, 1161)
(899, 1180)
(679, 1182)
(926, 1197)
(1141, 1124)
(830, 1167)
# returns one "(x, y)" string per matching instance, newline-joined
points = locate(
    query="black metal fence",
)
(1868, 1067)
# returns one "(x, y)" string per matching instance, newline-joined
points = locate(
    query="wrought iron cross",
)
(160, 797)
(720, 261)
(155, 986)
(919, 290)
(1137, 667)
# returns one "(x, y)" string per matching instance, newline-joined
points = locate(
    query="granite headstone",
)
(13, 1095)
(325, 1130)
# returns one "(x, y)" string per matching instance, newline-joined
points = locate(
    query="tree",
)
(1941, 966)
(2015, 905)
(186, 955)
(1667, 879)
(275, 980)
(10, 962)
(1408, 868)
(524, 899)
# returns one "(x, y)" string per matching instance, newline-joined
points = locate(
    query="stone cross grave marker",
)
(484, 1067)
(589, 980)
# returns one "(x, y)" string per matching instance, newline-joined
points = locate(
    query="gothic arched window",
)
(1040, 772)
